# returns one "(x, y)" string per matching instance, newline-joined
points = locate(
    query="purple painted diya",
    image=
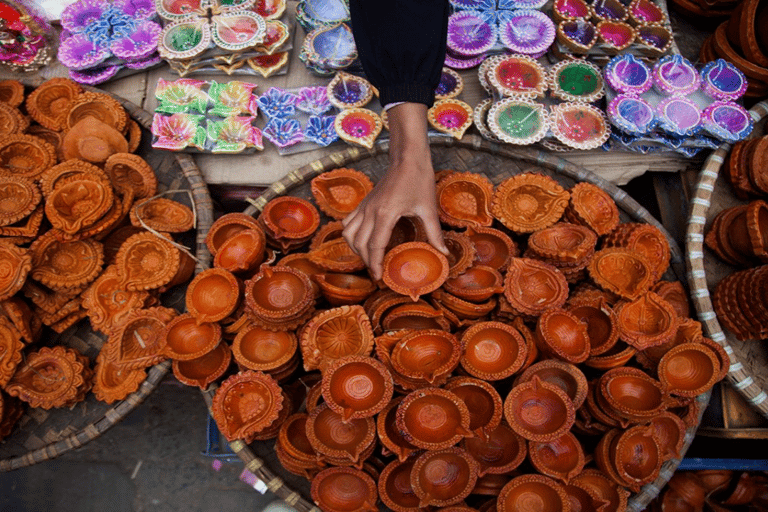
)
(675, 75)
(349, 91)
(654, 40)
(579, 125)
(579, 36)
(628, 74)
(455, 61)
(358, 126)
(321, 130)
(79, 52)
(450, 116)
(631, 115)
(450, 85)
(527, 31)
(645, 12)
(722, 80)
(609, 10)
(277, 102)
(727, 121)
(140, 44)
(519, 76)
(679, 116)
(469, 34)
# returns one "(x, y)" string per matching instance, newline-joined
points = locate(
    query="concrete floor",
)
(151, 461)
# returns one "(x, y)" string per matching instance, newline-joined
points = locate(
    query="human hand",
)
(406, 190)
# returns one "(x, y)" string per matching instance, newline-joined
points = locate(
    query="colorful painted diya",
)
(567, 10)
(349, 91)
(283, 132)
(579, 81)
(675, 75)
(527, 31)
(450, 116)
(579, 36)
(277, 102)
(181, 96)
(518, 122)
(723, 81)
(232, 98)
(321, 130)
(234, 134)
(469, 34)
(653, 40)
(679, 116)
(312, 14)
(451, 84)
(329, 48)
(358, 126)
(184, 39)
(456, 61)
(615, 35)
(631, 114)
(178, 131)
(518, 76)
(645, 12)
(727, 121)
(178, 9)
(579, 125)
(313, 100)
(609, 10)
(628, 74)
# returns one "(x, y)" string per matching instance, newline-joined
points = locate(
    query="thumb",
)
(434, 233)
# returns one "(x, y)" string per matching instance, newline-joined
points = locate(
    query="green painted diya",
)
(184, 39)
(573, 80)
(518, 121)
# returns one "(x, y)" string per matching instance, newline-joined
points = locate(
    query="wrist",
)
(409, 142)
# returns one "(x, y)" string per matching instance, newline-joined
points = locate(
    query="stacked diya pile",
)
(81, 234)
(329, 45)
(608, 27)
(206, 116)
(718, 489)
(231, 37)
(101, 38)
(741, 40)
(745, 170)
(546, 338)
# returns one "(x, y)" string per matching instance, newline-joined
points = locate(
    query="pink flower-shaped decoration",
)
(177, 131)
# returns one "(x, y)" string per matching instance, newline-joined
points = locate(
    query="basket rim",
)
(740, 378)
(204, 209)
(527, 154)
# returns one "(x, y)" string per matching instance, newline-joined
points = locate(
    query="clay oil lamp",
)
(24, 156)
(227, 226)
(461, 309)
(349, 91)
(493, 350)
(720, 354)
(112, 381)
(469, 34)
(647, 321)
(679, 116)
(407, 229)
(414, 268)
(327, 232)
(262, 350)
(461, 252)
(246, 403)
(344, 289)
(518, 121)
(653, 40)
(339, 191)
(335, 333)
(426, 355)
(615, 36)
(688, 369)
(722, 80)
(163, 215)
(499, 452)
(51, 377)
(532, 488)
(591, 206)
(527, 202)
(443, 477)
(562, 335)
(482, 400)
(578, 125)
(185, 339)
(336, 256)
(518, 76)
(76, 205)
(561, 459)
(622, 271)
(204, 370)
(464, 199)
(289, 219)
(563, 243)
(433, 419)
(532, 286)
(571, 10)
(11, 344)
(415, 315)
(477, 284)
(146, 261)
(727, 121)
(645, 12)
(379, 303)
(527, 31)
(292, 441)
(16, 264)
(61, 265)
(450, 85)
(386, 427)
(616, 356)
(278, 296)
(480, 118)
(357, 387)
(126, 170)
(313, 100)
(348, 443)
(138, 342)
(11, 92)
(19, 198)
(602, 326)
(108, 304)
(579, 35)
(582, 500)
(565, 375)
(493, 247)
(101, 106)
(632, 115)
(576, 81)
(12, 122)
(19, 314)
(450, 116)
(184, 38)
(49, 103)
(237, 30)
(670, 432)
(213, 295)
(340, 489)
(608, 491)
(637, 456)
(675, 75)
(93, 141)
(628, 74)
(539, 411)
(632, 394)
(395, 488)
(358, 126)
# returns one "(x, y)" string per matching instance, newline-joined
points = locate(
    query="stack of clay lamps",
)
(744, 168)
(453, 370)
(105, 250)
(714, 489)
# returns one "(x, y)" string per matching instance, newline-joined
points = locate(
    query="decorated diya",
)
(576, 81)
(517, 75)
(727, 121)
(246, 403)
(443, 477)
(578, 35)
(679, 116)
(450, 116)
(358, 126)
(349, 91)
(493, 350)
(185, 38)
(344, 488)
(433, 419)
(675, 75)
(631, 114)
(527, 202)
(518, 121)
(527, 31)
(579, 125)
(464, 199)
(567, 10)
(450, 85)
(357, 386)
(539, 411)
(646, 12)
(628, 74)
(721, 80)
(51, 377)
(469, 34)
(654, 40)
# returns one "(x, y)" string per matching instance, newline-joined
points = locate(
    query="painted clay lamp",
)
(628, 74)
(579, 125)
(631, 114)
(184, 39)
(173, 10)
(527, 31)
(312, 14)
(579, 36)
(646, 12)
(268, 65)
(653, 40)
(722, 80)
(679, 116)
(234, 135)
(456, 61)
(609, 10)
(615, 36)
(329, 48)
(576, 81)
(321, 130)
(349, 91)
(237, 30)
(313, 100)
(451, 84)
(675, 75)
(519, 76)
(568, 10)
(450, 116)
(358, 126)
(727, 121)
(518, 121)
(469, 34)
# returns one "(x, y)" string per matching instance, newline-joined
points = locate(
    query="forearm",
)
(408, 141)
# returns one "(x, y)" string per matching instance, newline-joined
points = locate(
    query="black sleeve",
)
(401, 44)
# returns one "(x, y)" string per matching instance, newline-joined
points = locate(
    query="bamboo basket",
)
(474, 154)
(749, 359)
(41, 435)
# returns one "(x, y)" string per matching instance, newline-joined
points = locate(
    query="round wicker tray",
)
(42, 435)
(749, 359)
(474, 154)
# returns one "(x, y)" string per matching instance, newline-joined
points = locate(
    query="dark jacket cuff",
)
(412, 93)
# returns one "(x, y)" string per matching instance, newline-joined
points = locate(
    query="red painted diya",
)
(518, 75)
(358, 126)
(580, 126)
(450, 116)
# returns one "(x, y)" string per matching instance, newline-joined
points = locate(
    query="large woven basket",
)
(749, 359)
(42, 435)
(469, 154)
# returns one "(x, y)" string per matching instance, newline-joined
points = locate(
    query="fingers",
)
(378, 244)
(434, 233)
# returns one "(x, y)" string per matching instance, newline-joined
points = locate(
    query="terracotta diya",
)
(357, 387)
(621, 271)
(461, 252)
(500, 451)
(242, 252)
(647, 321)
(225, 227)
(580, 126)
(395, 488)
(632, 393)
(483, 402)
(185, 339)
(464, 199)
(213, 295)
(527, 202)
(433, 419)
(476, 284)
(278, 294)
(539, 411)
(339, 191)
(15, 265)
(688, 369)
(336, 333)
(246, 403)
(426, 354)
(443, 477)
(146, 261)
(344, 289)
(336, 256)
(537, 489)
(204, 370)
(112, 381)
(344, 489)
(389, 435)
(11, 344)
(532, 286)
(291, 218)
(51, 377)
(358, 126)
(348, 443)
(25, 156)
(263, 350)
(414, 268)
(493, 350)
(561, 459)
(562, 335)
(138, 342)
(493, 248)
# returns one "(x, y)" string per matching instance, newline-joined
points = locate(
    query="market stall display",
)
(28, 39)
